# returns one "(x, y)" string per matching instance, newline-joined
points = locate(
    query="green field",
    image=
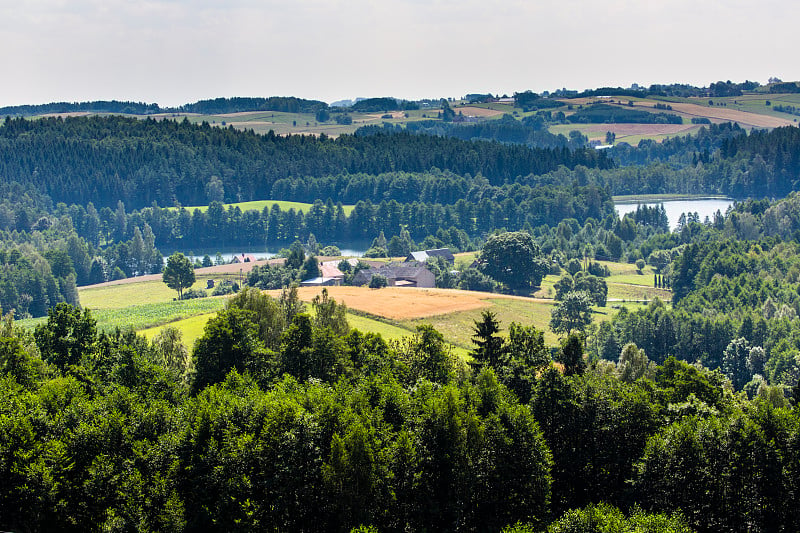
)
(386, 330)
(259, 205)
(299, 123)
(126, 294)
(191, 329)
(145, 316)
(458, 327)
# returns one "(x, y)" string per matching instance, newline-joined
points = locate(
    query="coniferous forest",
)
(682, 415)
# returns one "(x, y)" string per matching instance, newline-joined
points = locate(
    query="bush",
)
(473, 279)
(601, 271)
(376, 252)
(378, 281)
(573, 266)
(225, 288)
(640, 264)
(194, 293)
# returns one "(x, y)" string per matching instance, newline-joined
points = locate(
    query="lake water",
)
(705, 207)
(259, 254)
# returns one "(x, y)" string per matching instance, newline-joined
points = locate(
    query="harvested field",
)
(627, 132)
(233, 268)
(622, 130)
(398, 303)
(731, 115)
(66, 115)
(404, 303)
(469, 111)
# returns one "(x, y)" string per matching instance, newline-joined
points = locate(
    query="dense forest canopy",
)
(111, 159)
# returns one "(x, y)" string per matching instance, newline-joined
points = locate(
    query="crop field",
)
(400, 303)
(126, 294)
(299, 123)
(751, 103)
(475, 111)
(629, 133)
(259, 205)
(726, 114)
(144, 316)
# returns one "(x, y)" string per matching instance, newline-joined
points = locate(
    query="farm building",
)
(402, 275)
(244, 258)
(330, 275)
(423, 255)
(320, 282)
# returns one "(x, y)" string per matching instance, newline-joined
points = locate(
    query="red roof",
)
(329, 271)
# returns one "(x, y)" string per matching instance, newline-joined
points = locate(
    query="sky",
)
(173, 52)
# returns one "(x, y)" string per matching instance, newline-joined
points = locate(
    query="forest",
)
(678, 416)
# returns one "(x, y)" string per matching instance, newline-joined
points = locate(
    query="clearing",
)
(471, 111)
(259, 205)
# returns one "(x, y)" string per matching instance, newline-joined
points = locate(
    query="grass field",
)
(191, 329)
(127, 294)
(457, 327)
(259, 205)
(144, 316)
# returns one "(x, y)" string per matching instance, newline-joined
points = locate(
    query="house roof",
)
(423, 255)
(321, 280)
(244, 258)
(330, 271)
(401, 271)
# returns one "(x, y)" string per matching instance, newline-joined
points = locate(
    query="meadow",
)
(148, 306)
(259, 205)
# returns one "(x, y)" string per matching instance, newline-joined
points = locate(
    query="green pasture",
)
(457, 327)
(191, 329)
(127, 294)
(259, 205)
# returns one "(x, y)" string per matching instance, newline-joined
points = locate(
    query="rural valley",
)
(562, 311)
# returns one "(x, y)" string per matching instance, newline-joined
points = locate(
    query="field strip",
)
(732, 115)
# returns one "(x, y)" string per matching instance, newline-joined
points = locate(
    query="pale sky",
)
(173, 52)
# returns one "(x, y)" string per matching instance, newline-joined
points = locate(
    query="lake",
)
(705, 207)
(259, 253)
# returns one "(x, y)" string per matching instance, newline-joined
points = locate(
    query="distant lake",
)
(705, 207)
(259, 254)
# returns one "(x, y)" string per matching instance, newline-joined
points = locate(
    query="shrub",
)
(378, 281)
(194, 293)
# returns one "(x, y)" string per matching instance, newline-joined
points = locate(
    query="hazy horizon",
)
(173, 52)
